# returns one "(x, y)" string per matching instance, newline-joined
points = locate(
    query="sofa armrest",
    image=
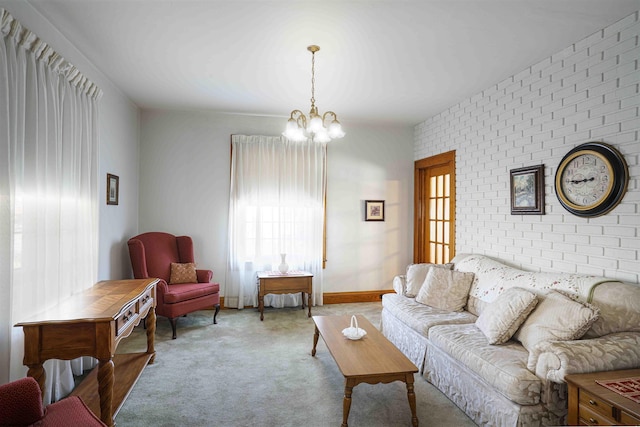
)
(554, 360)
(400, 284)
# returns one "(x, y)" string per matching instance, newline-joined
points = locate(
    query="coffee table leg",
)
(316, 335)
(346, 403)
(412, 399)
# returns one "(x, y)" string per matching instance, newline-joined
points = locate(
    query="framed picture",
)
(113, 189)
(374, 210)
(527, 190)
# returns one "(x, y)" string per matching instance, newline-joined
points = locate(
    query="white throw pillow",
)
(416, 273)
(502, 318)
(445, 289)
(556, 318)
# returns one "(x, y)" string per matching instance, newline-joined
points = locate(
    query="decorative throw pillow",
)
(445, 289)
(416, 273)
(183, 273)
(502, 318)
(556, 318)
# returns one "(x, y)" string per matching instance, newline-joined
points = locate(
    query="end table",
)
(593, 404)
(274, 282)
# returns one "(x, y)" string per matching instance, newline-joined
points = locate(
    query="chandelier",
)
(299, 127)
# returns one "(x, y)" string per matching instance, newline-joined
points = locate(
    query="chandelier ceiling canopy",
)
(300, 128)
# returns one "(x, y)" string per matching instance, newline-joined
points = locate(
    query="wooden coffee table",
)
(372, 359)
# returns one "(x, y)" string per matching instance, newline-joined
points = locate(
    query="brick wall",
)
(586, 92)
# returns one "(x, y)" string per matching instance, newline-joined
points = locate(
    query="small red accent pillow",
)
(183, 273)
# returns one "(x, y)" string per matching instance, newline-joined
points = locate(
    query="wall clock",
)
(591, 179)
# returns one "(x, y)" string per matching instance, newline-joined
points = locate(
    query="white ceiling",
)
(391, 61)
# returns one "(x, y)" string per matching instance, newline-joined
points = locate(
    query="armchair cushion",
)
(186, 291)
(183, 273)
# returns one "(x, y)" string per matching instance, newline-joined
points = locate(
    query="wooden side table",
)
(592, 404)
(270, 282)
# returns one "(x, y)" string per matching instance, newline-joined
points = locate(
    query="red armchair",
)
(151, 256)
(21, 405)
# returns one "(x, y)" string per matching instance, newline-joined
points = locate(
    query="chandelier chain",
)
(313, 78)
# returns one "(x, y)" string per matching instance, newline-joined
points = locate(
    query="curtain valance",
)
(23, 37)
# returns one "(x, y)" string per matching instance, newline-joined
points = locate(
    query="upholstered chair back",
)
(152, 254)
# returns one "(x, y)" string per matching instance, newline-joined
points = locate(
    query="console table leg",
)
(105, 390)
(151, 334)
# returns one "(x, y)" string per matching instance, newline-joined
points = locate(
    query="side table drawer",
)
(628, 419)
(597, 405)
(592, 418)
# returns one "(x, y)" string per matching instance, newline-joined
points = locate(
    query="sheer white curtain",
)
(276, 206)
(48, 191)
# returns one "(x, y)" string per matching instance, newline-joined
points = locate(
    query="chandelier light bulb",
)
(291, 126)
(299, 128)
(335, 130)
(315, 125)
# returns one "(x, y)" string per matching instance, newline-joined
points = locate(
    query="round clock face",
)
(591, 179)
(586, 179)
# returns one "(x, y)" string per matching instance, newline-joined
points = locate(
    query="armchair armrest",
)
(554, 360)
(21, 402)
(400, 284)
(204, 276)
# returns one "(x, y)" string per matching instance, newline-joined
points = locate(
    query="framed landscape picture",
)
(527, 190)
(374, 210)
(113, 189)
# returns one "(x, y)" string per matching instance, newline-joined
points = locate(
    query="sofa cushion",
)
(186, 291)
(420, 317)
(619, 305)
(556, 318)
(503, 367)
(183, 273)
(502, 318)
(445, 289)
(416, 273)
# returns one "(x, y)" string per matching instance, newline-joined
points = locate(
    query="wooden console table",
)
(92, 323)
(291, 283)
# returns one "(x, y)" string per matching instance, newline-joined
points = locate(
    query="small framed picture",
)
(113, 189)
(374, 210)
(527, 190)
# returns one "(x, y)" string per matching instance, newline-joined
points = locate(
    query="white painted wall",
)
(184, 190)
(586, 92)
(118, 146)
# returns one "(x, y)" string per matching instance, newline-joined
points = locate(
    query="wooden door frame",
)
(419, 225)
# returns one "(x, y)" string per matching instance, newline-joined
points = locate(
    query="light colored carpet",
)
(244, 372)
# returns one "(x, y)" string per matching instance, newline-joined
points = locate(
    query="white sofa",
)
(506, 384)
